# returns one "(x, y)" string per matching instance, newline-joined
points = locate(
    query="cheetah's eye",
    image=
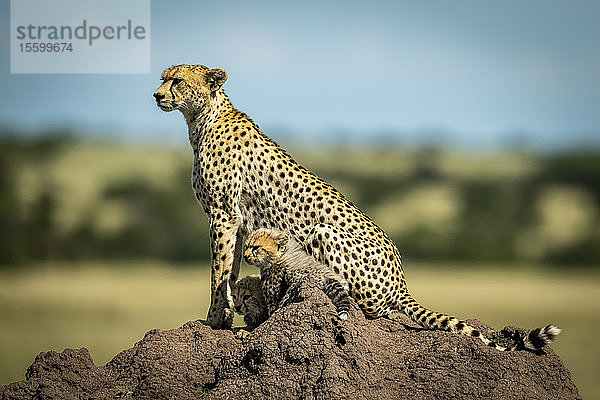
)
(246, 297)
(176, 81)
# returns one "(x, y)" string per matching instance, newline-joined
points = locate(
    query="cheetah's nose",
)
(158, 96)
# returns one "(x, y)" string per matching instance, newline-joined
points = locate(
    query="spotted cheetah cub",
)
(284, 264)
(248, 300)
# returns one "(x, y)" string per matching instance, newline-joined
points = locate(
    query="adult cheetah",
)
(245, 181)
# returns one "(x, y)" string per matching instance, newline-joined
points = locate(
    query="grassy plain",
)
(108, 307)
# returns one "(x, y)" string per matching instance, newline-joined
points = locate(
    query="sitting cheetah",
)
(245, 181)
(248, 300)
(284, 264)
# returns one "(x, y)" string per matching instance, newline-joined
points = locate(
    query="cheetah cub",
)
(248, 300)
(284, 264)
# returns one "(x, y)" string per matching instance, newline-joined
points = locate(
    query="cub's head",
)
(188, 88)
(265, 246)
(248, 296)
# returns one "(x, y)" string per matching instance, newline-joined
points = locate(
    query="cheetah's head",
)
(264, 247)
(247, 295)
(189, 88)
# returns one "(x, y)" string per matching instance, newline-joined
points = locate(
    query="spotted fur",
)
(248, 300)
(284, 264)
(245, 181)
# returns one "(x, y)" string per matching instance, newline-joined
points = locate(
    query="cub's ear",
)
(215, 78)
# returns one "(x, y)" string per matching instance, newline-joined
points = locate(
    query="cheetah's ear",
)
(215, 78)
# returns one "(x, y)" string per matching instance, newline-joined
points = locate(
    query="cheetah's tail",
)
(534, 340)
(339, 296)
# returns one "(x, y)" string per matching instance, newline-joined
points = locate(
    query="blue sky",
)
(478, 71)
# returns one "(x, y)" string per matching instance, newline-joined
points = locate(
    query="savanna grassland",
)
(102, 242)
(65, 200)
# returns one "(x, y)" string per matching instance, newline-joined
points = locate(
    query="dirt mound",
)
(302, 352)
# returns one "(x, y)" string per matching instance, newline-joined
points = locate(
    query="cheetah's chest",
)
(198, 184)
(256, 210)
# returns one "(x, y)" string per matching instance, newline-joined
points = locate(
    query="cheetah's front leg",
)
(226, 248)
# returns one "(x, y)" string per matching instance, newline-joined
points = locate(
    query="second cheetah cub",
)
(248, 300)
(284, 264)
